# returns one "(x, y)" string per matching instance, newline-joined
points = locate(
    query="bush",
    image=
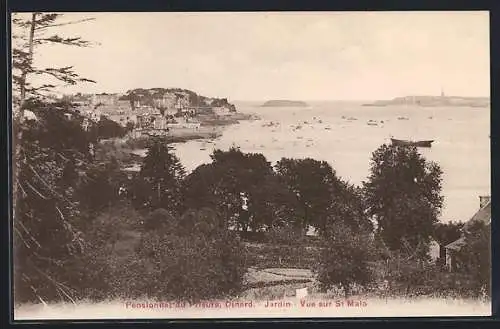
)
(475, 257)
(344, 260)
(192, 259)
(291, 245)
(112, 266)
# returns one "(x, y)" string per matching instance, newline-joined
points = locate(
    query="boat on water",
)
(402, 142)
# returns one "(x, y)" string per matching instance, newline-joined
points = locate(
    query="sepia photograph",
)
(225, 165)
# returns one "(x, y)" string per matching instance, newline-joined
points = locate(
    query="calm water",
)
(461, 147)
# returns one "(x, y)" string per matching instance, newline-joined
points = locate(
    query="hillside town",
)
(152, 112)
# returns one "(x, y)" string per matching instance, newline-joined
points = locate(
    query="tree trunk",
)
(16, 142)
(30, 58)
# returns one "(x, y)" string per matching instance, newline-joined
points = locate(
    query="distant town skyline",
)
(300, 56)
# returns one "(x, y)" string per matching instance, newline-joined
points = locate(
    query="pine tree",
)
(29, 31)
(50, 152)
(159, 181)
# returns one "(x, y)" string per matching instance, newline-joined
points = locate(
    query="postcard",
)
(181, 165)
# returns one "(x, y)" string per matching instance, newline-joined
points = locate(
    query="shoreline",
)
(211, 127)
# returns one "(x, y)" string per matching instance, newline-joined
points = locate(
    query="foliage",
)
(240, 186)
(344, 259)
(313, 184)
(49, 154)
(292, 244)
(348, 208)
(475, 256)
(46, 224)
(403, 195)
(193, 258)
(159, 181)
(112, 267)
(106, 128)
(150, 96)
(286, 235)
(100, 187)
(31, 31)
(56, 128)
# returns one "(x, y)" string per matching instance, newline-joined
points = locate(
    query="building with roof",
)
(452, 249)
(105, 99)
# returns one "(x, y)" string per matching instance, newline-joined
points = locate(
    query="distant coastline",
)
(284, 103)
(434, 101)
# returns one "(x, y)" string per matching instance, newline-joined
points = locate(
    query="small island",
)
(434, 101)
(284, 103)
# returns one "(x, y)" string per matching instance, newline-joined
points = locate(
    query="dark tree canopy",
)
(53, 156)
(313, 184)
(106, 128)
(403, 195)
(237, 184)
(159, 181)
(349, 209)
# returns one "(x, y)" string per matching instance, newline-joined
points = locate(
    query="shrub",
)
(291, 245)
(112, 266)
(475, 257)
(192, 259)
(344, 259)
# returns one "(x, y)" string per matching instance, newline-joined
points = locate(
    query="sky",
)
(259, 56)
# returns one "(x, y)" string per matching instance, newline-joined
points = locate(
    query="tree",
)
(29, 31)
(403, 195)
(107, 128)
(344, 259)
(242, 187)
(46, 166)
(313, 184)
(46, 224)
(348, 208)
(100, 186)
(159, 181)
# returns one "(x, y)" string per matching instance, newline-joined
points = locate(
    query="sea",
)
(346, 133)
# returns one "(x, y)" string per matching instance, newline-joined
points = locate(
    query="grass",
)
(267, 255)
